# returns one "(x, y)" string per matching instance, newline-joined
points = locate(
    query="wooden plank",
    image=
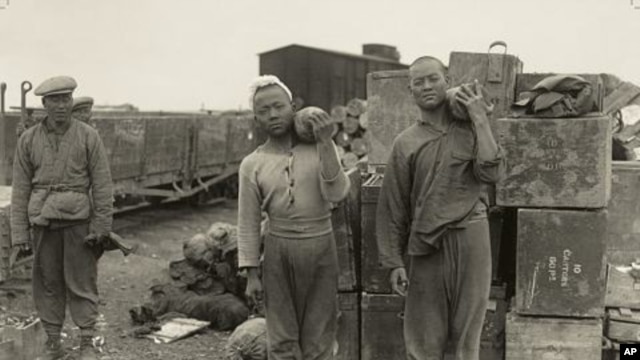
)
(529, 338)
(176, 329)
(348, 336)
(344, 219)
(5, 233)
(560, 262)
(374, 278)
(8, 350)
(211, 139)
(623, 328)
(555, 162)
(623, 246)
(621, 97)
(8, 141)
(382, 327)
(623, 290)
(243, 136)
(28, 340)
(390, 109)
(496, 221)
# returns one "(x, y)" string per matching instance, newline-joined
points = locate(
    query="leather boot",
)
(53, 349)
(87, 351)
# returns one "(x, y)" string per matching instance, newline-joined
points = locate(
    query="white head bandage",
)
(264, 81)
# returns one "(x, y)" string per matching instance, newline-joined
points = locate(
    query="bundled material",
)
(558, 96)
(303, 124)
(223, 236)
(200, 251)
(458, 109)
(194, 279)
(626, 141)
(248, 341)
(225, 311)
(351, 137)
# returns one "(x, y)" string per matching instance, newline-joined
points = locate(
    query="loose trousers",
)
(300, 279)
(65, 272)
(448, 295)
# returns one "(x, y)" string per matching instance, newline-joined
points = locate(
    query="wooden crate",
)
(560, 262)
(496, 221)
(611, 351)
(375, 279)
(534, 338)
(496, 72)
(623, 325)
(623, 290)
(5, 232)
(623, 246)
(493, 331)
(382, 327)
(526, 81)
(390, 108)
(345, 219)
(564, 163)
(28, 341)
(348, 327)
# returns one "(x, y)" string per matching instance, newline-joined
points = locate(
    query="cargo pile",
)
(351, 135)
(205, 285)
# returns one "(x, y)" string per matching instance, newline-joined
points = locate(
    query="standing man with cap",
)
(295, 184)
(433, 206)
(82, 108)
(62, 194)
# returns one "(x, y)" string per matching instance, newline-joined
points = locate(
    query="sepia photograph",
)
(319, 180)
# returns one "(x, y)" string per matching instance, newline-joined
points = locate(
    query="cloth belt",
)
(300, 228)
(61, 188)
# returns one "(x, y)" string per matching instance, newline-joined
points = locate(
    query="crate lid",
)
(5, 196)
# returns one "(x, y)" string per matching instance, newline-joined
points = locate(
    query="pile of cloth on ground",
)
(206, 285)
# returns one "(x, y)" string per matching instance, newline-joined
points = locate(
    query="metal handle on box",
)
(496, 63)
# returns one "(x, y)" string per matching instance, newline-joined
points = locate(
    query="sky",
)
(182, 55)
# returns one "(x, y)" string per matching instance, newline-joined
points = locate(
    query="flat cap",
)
(82, 101)
(56, 85)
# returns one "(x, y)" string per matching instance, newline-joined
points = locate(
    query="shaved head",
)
(424, 59)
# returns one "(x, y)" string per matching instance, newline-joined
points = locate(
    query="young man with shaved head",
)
(294, 183)
(433, 206)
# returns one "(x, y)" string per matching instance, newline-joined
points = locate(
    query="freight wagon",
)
(327, 78)
(158, 155)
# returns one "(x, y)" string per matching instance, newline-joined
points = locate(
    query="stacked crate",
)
(622, 298)
(558, 177)
(346, 228)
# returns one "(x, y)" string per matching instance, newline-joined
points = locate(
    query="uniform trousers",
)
(448, 295)
(300, 279)
(65, 273)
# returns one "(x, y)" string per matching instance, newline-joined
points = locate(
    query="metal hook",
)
(25, 87)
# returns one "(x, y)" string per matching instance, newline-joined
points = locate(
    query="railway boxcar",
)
(327, 78)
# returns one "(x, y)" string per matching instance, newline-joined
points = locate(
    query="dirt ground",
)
(124, 282)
